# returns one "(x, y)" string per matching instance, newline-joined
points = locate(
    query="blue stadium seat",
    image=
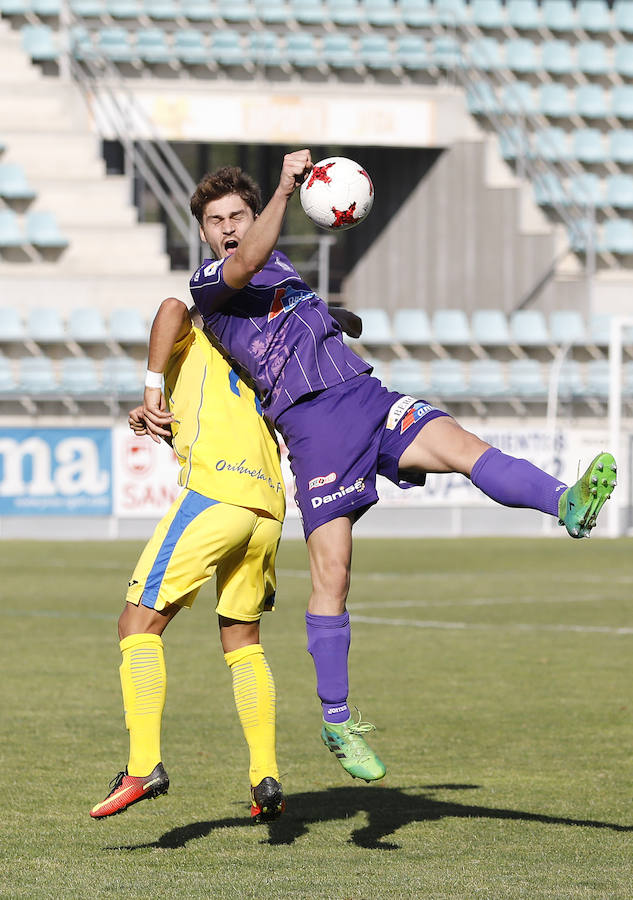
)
(15, 7)
(555, 101)
(87, 9)
(618, 236)
(37, 375)
(189, 46)
(548, 189)
(199, 10)
(557, 57)
(587, 189)
(582, 234)
(594, 16)
(46, 326)
(301, 50)
(417, 13)
(567, 326)
(447, 53)
(622, 101)
(344, 12)
(407, 376)
(528, 328)
(621, 146)
(81, 42)
(411, 52)
(128, 326)
(381, 12)
(8, 384)
(162, 10)
(46, 9)
(86, 325)
(11, 234)
(600, 329)
(620, 191)
(412, 327)
(125, 9)
(481, 98)
(451, 328)
(525, 379)
(43, 232)
(14, 184)
(265, 49)
(115, 44)
(309, 12)
(452, 12)
(551, 144)
(559, 15)
(488, 13)
(517, 98)
(272, 12)
(376, 328)
(598, 378)
(380, 369)
(447, 379)
(623, 16)
(338, 51)
(514, 143)
(235, 11)
(226, 47)
(591, 102)
(40, 42)
(121, 375)
(486, 378)
(11, 324)
(485, 54)
(623, 59)
(524, 15)
(588, 146)
(571, 383)
(490, 328)
(79, 376)
(592, 59)
(152, 46)
(375, 52)
(521, 56)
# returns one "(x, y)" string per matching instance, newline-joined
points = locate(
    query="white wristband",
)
(154, 379)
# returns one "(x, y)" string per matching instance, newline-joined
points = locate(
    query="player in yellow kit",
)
(227, 521)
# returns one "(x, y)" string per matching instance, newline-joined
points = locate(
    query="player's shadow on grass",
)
(387, 810)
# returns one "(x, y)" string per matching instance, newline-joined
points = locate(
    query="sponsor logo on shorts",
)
(358, 486)
(320, 480)
(414, 415)
(397, 411)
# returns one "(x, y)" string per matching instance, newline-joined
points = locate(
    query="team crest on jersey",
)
(286, 299)
(417, 411)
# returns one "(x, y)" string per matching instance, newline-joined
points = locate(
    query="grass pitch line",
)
(475, 601)
(471, 626)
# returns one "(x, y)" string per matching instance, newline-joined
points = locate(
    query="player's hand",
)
(156, 415)
(349, 321)
(136, 421)
(296, 168)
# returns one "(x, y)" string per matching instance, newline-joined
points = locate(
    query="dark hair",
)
(227, 180)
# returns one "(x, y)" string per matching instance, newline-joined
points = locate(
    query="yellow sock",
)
(254, 692)
(144, 685)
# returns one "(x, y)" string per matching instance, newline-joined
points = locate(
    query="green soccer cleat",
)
(580, 504)
(347, 743)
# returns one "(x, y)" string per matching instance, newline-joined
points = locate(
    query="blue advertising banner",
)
(55, 471)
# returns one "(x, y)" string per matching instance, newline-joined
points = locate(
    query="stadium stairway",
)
(111, 259)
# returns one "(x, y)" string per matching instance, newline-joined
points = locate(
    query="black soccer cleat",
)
(267, 800)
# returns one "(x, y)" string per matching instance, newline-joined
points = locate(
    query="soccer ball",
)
(337, 194)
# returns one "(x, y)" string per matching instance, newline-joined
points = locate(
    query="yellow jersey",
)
(223, 444)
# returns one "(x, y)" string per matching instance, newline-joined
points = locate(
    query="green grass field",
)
(498, 673)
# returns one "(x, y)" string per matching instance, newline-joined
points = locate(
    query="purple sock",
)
(516, 482)
(328, 643)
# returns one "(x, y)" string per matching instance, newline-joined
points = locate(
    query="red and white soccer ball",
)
(337, 194)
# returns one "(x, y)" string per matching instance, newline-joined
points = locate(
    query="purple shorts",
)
(340, 438)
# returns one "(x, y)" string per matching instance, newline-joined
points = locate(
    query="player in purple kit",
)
(341, 425)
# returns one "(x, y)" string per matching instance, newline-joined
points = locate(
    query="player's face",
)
(224, 224)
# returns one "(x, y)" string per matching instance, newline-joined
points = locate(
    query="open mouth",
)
(230, 246)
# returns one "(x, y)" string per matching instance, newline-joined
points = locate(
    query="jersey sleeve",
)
(208, 287)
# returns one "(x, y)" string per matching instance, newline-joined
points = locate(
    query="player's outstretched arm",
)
(260, 239)
(171, 324)
(349, 321)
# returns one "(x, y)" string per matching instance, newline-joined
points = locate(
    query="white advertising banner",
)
(145, 476)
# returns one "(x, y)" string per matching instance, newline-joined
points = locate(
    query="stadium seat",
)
(452, 12)
(39, 42)
(567, 326)
(265, 49)
(79, 376)
(417, 13)
(124, 9)
(548, 189)
(591, 102)
(81, 42)
(447, 379)
(623, 59)
(344, 12)
(620, 191)
(592, 59)
(481, 98)
(411, 52)
(551, 144)
(559, 15)
(514, 143)
(11, 234)
(618, 236)
(127, 326)
(8, 384)
(301, 50)
(587, 189)
(525, 379)
(486, 378)
(488, 13)
(490, 328)
(528, 328)
(407, 376)
(451, 328)
(15, 7)
(485, 54)
(554, 101)
(517, 98)
(11, 325)
(447, 53)
(524, 15)
(376, 327)
(594, 16)
(46, 326)
(121, 375)
(235, 10)
(571, 384)
(411, 327)
(309, 12)
(199, 10)
(42, 231)
(115, 44)
(622, 101)
(521, 56)
(37, 375)
(162, 10)
(557, 57)
(582, 234)
(14, 184)
(381, 12)
(375, 52)
(338, 51)
(87, 9)
(152, 47)
(189, 46)
(598, 378)
(226, 47)
(600, 329)
(621, 146)
(86, 325)
(623, 16)
(272, 12)
(588, 146)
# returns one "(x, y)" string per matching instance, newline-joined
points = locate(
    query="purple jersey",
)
(277, 329)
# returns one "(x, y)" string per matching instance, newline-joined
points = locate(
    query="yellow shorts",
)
(199, 537)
